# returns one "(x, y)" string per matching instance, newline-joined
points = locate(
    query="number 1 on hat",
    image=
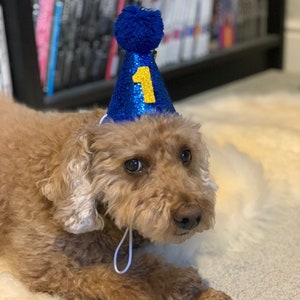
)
(143, 76)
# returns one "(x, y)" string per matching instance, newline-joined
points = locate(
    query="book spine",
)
(112, 56)
(42, 36)
(54, 47)
(180, 12)
(71, 35)
(65, 43)
(203, 27)
(5, 76)
(227, 23)
(187, 49)
(162, 5)
(263, 17)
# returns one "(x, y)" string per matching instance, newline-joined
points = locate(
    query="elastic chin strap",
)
(129, 229)
(102, 119)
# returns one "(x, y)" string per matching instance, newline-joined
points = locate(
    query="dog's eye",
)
(186, 156)
(134, 166)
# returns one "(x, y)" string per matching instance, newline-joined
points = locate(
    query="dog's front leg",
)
(59, 277)
(170, 282)
(148, 278)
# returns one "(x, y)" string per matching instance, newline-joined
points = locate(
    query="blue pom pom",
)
(138, 29)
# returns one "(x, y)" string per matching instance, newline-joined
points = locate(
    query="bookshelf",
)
(182, 79)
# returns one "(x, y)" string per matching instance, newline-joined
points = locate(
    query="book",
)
(81, 47)
(214, 30)
(251, 19)
(189, 33)
(186, 29)
(246, 20)
(5, 75)
(113, 57)
(227, 22)
(84, 45)
(223, 24)
(54, 48)
(65, 46)
(202, 32)
(262, 10)
(43, 30)
(174, 14)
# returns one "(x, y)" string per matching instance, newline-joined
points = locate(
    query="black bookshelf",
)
(22, 51)
(182, 80)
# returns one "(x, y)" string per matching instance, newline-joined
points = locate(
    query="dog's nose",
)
(187, 217)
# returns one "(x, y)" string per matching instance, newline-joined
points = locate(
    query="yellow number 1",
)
(143, 76)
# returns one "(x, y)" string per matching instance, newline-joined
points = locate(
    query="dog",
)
(69, 187)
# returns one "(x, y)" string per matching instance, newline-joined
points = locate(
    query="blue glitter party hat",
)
(140, 88)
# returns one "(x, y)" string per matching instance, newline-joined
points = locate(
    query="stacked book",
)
(236, 21)
(187, 29)
(75, 41)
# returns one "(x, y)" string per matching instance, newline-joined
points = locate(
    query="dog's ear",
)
(69, 187)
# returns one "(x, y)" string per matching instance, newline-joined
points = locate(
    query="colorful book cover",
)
(54, 47)
(65, 37)
(227, 23)
(43, 35)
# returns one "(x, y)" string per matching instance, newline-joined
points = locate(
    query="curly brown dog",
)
(69, 187)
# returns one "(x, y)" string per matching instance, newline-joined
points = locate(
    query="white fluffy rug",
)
(254, 250)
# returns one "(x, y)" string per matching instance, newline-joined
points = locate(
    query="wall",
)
(292, 36)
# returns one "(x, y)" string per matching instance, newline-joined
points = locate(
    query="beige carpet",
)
(253, 131)
(252, 128)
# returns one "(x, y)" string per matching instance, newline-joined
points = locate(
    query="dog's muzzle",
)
(187, 217)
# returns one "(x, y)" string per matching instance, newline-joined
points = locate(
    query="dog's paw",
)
(186, 285)
(211, 294)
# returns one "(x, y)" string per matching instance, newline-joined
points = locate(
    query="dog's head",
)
(151, 174)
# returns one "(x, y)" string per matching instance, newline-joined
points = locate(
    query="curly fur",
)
(65, 200)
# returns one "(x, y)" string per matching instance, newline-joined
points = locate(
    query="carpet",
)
(252, 128)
